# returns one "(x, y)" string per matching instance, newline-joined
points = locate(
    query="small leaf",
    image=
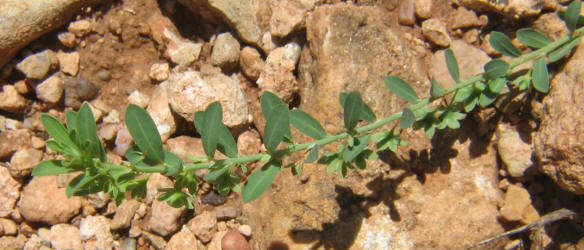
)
(360, 144)
(436, 91)
(451, 64)
(401, 88)
(51, 167)
(268, 101)
(334, 166)
(563, 51)
(573, 14)
(306, 124)
(408, 118)
(522, 82)
(227, 144)
(173, 162)
(144, 131)
(87, 131)
(497, 85)
(78, 184)
(471, 103)
(464, 93)
(212, 122)
(501, 43)
(277, 126)
(313, 155)
(388, 140)
(56, 129)
(352, 114)
(367, 114)
(540, 76)
(71, 120)
(496, 68)
(216, 173)
(486, 98)
(532, 38)
(260, 180)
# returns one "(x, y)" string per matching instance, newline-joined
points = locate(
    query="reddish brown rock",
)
(233, 240)
(43, 201)
(9, 192)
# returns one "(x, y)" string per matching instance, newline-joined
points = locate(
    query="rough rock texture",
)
(559, 143)
(225, 52)
(433, 29)
(159, 71)
(180, 51)
(8, 227)
(51, 89)
(278, 73)
(24, 21)
(13, 140)
(514, 151)
(43, 201)
(36, 66)
(11, 100)
(95, 230)
(124, 214)
(80, 28)
(288, 16)
(251, 63)
(164, 220)
(471, 60)
(65, 237)
(9, 192)
(517, 206)
(406, 12)
(422, 198)
(423, 8)
(204, 226)
(159, 110)
(183, 240)
(191, 91)
(69, 62)
(465, 18)
(510, 8)
(23, 161)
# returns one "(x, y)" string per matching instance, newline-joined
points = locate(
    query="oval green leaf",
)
(532, 38)
(496, 68)
(464, 93)
(313, 155)
(307, 124)
(401, 89)
(277, 126)
(145, 134)
(451, 64)
(573, 14)
(227, 144)
(486, 98)
(211, 123)
(87, 131)
(56, 129)
(436, 91)
(501, 43)
(540, 76)
(50, 167)
(495, 86)
(408, 118)
(259, 181)
(352, 113)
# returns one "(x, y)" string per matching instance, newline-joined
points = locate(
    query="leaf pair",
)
(355, 109)
(214, 133)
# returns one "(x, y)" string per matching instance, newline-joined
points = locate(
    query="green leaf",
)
(145, 134)
(436, 91)
(313, 155)
(51, 167)
(87, 131)
(71, 120)
(306, 124)
(277, 126)
(212, 122)
(522, 82)
(79, 184)
(532, 38)
(471, 103)
(216, 173)
(173, 163)
(540, 76)
(501, 43)
(268, 101)
(401, 88)
(227, 144)
(260, 180)
(560, 52)
(366, 112)
(451, 64)
(496, 68)
(334, 166)
(359, 145)
(388, 140)
(451, 118)
(56, 129)
(495, 86)
(352, 113)
(486, 98)
(464, 93)
(137, 188)
(408, 118)
(573, 14)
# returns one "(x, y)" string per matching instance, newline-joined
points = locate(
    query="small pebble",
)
(233, 240)
(245, 230)
(104, 75)
(213, 198)
(67, 39)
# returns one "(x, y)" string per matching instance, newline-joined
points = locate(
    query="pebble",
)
(80, 28)
(112, 117)
(14, 140)
(227, 213)
(51, 89)
(11, 100)
(21, 87)
(104, 75)
(517, 205)
(138, 98)
(128, 244)
(245, 230)
(423, 8)
(124, 214)
(8, 227)
(23, 162)
(464, 18)
(64, 236)
(514, 152)
(156, 241)
(184, 239)
(37, 66)
(67, 39)
(251, 63)
(69, 62)
(233, 240)
(180, 50)
(406, 12)
(434, 30)
(225, 52)
(159, 71)
(212, 198)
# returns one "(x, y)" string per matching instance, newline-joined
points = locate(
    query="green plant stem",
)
(381, 122)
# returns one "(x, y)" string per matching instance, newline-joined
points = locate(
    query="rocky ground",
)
(506, 167)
